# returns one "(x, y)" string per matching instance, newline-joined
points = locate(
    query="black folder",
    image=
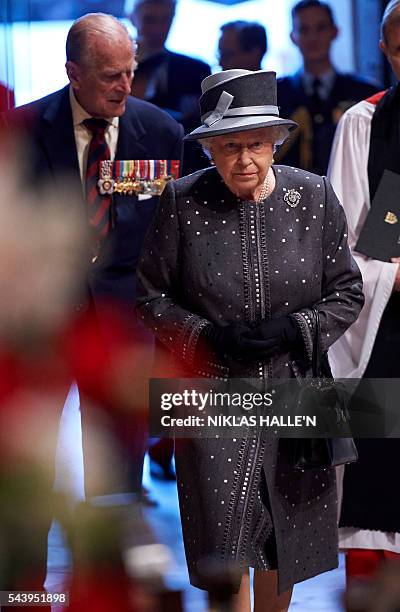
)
(380, 234)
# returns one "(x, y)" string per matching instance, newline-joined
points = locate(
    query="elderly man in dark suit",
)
(100, 63)
(66, 135)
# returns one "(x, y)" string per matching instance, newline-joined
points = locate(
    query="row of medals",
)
(134, 186)
(131, 183)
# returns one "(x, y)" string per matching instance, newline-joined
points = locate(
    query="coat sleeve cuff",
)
(304, 320)
(188, 339)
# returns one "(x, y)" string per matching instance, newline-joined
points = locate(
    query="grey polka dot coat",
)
(210, 257)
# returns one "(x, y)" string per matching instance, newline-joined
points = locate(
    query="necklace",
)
(264, 190)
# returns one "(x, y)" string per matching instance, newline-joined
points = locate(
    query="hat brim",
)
(228, 125)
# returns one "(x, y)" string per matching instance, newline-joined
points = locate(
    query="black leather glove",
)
(274, 336)
(228, 339)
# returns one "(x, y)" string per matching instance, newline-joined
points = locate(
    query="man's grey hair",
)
(391, 16)
(86, 28)
(279, 135)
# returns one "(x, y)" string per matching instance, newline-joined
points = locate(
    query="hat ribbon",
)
(222, 110)
(224, 102)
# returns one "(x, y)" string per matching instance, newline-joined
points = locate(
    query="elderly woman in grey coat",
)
(236, 257)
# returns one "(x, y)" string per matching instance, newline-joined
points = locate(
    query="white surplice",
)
(349, 356)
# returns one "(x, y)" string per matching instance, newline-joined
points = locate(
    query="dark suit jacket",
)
(174, 84)
(145, 132)
(309, 147)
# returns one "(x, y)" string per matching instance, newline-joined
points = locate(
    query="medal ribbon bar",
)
(138, 176)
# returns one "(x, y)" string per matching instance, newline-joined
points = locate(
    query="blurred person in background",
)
(366, 143)
(242, 44)
(235, 259)
(317, 95)
(44, 343)
(169, 80)
(41, 277)
(65, 136)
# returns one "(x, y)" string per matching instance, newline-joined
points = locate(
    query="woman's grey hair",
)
(390, 17)
(279, 135)
(83, 30)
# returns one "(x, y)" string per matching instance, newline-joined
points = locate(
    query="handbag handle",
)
(316, 354)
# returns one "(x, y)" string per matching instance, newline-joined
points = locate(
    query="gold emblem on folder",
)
(391, 218)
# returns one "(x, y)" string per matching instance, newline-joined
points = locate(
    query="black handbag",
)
(328, 400)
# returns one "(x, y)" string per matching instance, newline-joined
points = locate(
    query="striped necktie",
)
(98, 204)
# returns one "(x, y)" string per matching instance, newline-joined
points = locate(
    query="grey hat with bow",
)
(238, 100)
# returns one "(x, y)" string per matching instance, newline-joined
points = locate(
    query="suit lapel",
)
(59, 139)
(340, 90)
(132, 136)
(299, 91)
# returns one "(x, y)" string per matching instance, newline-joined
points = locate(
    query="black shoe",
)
(162, 471)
